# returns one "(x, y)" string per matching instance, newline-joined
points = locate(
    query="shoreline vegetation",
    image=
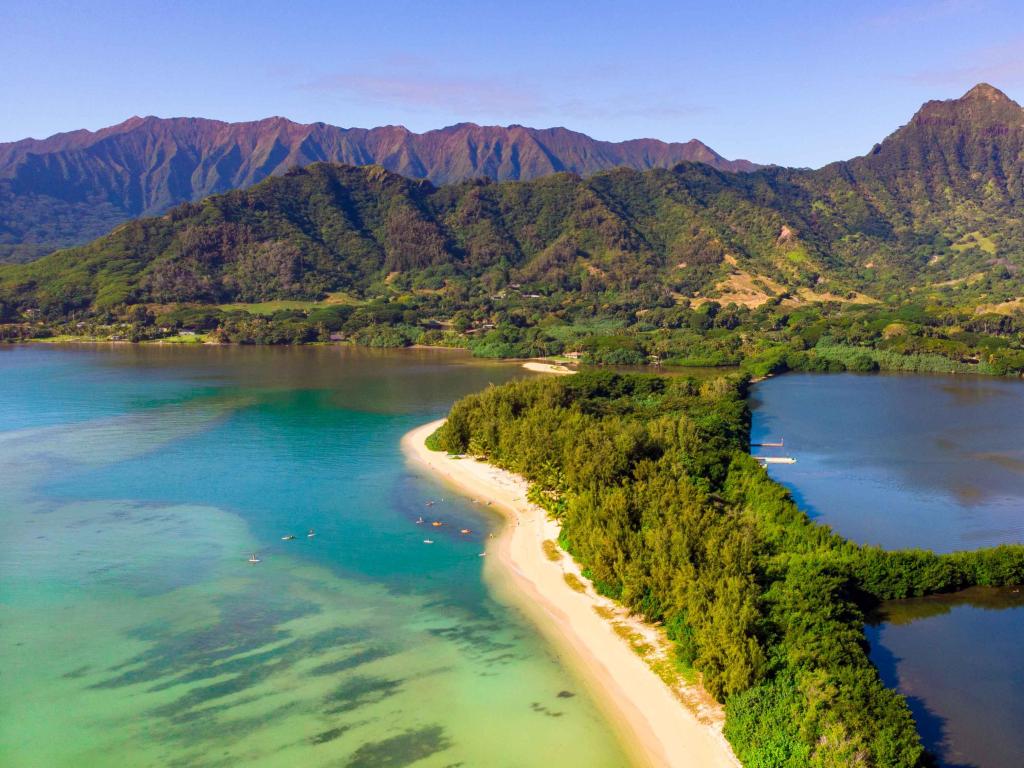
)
(649, 484)
(826, 357)
(906, 258)
(861, 339)
(668, 721)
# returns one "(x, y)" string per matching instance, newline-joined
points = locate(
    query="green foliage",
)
(763, 725)
(433, 441)
(867, 359)
(665, 511)
(605, 267)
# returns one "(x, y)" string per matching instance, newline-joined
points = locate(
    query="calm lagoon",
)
(136, 483)
(921, 461)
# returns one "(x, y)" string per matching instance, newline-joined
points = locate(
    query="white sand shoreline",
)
(657, 724)
(546, 366)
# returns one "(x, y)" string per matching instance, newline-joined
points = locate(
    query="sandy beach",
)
(541, 366)
(672, 725)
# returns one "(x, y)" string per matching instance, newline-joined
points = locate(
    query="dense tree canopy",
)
(662, 505)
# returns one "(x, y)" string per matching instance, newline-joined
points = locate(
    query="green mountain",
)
(934, 206)
(73, 187)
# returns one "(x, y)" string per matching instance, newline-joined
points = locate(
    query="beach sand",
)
(543, 367)
(675, 726)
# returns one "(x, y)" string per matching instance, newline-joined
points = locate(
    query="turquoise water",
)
(133, 631)
(921, 461)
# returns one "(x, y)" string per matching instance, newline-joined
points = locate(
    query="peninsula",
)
(657, 725)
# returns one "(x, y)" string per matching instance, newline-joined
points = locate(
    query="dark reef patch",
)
(329, 735)
(402, 750)
(478, 641)
(360, 691)
(351, 662)
(536, 706)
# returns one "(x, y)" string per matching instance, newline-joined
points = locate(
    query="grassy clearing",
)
(636, 641)
(270, 307)
(976, 240)
(551, 550)
(673, 670)
(1002, 308)
(574, 583)
(195, 338)
(63, 338)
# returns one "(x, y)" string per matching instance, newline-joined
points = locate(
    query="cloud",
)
(998, 65)
(403, 87)
(916, 13)
(612, 108)
(426, 92)
(999, 75)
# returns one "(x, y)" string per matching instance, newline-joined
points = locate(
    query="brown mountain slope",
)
(75, 186)
(937, 203)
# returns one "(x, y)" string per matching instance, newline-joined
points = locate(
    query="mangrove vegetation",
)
(662, 505)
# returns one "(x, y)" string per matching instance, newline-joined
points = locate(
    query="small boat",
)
(289, 537)
(311, 534)
(428, 541)
(430, 503)
(482, 554)
(253, 559)
(437, 523)
(465, 531)
(420, 521)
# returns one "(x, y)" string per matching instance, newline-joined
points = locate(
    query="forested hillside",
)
(914, 249)
(73, 187)
(663, 507)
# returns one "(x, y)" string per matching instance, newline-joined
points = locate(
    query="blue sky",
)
(796, 83)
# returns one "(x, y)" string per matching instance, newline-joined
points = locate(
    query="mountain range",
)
(937, 203)
(73, 187)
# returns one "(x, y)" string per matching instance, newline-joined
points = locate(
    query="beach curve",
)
(663, 727)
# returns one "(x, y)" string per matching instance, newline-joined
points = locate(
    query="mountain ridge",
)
(937, 202)
(71, 187)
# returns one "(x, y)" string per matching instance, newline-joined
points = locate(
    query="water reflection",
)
(901, 461)
(956, 658)
(921, 461)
